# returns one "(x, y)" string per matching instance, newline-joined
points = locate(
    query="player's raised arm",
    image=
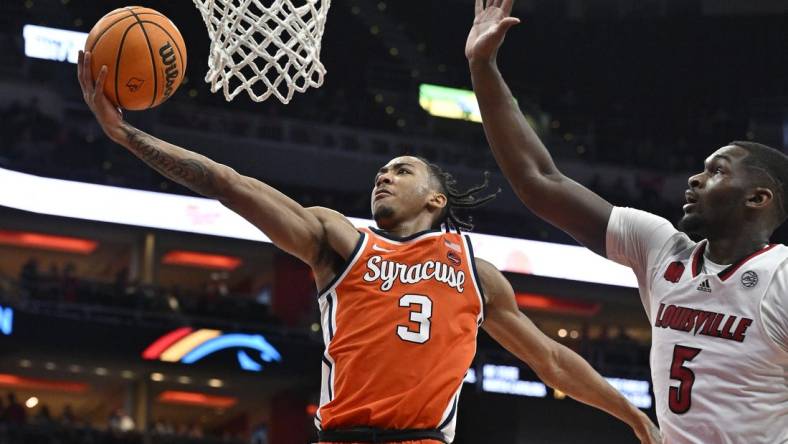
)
(290, 226)
(521, 155)
(556, 365)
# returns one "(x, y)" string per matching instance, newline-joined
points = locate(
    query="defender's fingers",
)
(504, 25)
(507, 6)
(508, 22)
(479, 7)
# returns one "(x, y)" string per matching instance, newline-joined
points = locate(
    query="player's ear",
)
(438, 200)
(759, 198)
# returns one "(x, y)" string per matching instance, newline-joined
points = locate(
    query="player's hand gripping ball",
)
(144, 53)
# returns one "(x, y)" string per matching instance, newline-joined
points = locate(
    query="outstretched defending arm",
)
(299, 231)
(555, 364)
(521, 155)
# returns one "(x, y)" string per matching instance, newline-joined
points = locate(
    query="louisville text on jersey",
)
(390, 271)
(707, 323)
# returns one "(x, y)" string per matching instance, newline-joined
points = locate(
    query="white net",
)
(264, 50)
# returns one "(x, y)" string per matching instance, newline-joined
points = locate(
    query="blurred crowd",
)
(40, 144)
(214, 301)
(17, 426)
(610, 350)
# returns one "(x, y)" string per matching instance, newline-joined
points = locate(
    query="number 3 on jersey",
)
(680, 398)
(421, 314)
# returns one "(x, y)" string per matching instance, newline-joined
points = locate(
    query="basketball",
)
(144, 53)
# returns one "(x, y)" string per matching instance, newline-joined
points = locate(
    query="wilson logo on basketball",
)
(134, 84)
(167, 53)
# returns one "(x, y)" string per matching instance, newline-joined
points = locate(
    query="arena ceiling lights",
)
(196, 399)
(24, 382)
(540, 302)
(148, 209)
(201, 260)
(47, 242)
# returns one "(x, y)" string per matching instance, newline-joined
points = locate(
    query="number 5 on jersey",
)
(420, 314)
(680, 398)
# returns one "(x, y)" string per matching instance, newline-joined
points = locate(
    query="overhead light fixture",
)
(24, 382)
(540, 302)
(196, 399)
(215, 383)
(158, 377)
(47, 242)
(201, 260)
(31, 402)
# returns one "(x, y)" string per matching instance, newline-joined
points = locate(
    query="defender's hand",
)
(108, 115)
(489, 29)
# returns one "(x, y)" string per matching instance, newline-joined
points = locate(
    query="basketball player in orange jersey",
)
(400, 305)
(715, 292)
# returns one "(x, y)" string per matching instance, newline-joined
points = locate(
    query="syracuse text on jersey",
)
(706, 323)
(390, 271)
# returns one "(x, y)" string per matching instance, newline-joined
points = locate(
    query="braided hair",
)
(457, 200)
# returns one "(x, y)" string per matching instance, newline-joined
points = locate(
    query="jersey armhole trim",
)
(772, 342)
(362, 240)
(477, 282)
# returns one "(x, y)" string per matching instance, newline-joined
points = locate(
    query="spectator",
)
(163, 428)
(14, 413)
(121, 422)
(43, 417)
(260, 435)
(68, 418)
(29, 277)
(69, 282)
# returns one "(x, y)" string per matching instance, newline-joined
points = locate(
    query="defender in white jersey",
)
(714, 292)
(719, 332)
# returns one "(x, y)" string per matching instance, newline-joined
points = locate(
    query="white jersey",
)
(719, 355)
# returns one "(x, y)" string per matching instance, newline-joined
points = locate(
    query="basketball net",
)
(264, 50)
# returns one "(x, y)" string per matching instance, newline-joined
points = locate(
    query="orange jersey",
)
(400, 325)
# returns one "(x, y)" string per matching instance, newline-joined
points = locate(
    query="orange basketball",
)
(144, 53)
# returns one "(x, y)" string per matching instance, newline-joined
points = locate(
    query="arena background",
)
(630, 96)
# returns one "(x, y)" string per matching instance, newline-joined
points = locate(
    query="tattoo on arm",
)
(184, 167)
